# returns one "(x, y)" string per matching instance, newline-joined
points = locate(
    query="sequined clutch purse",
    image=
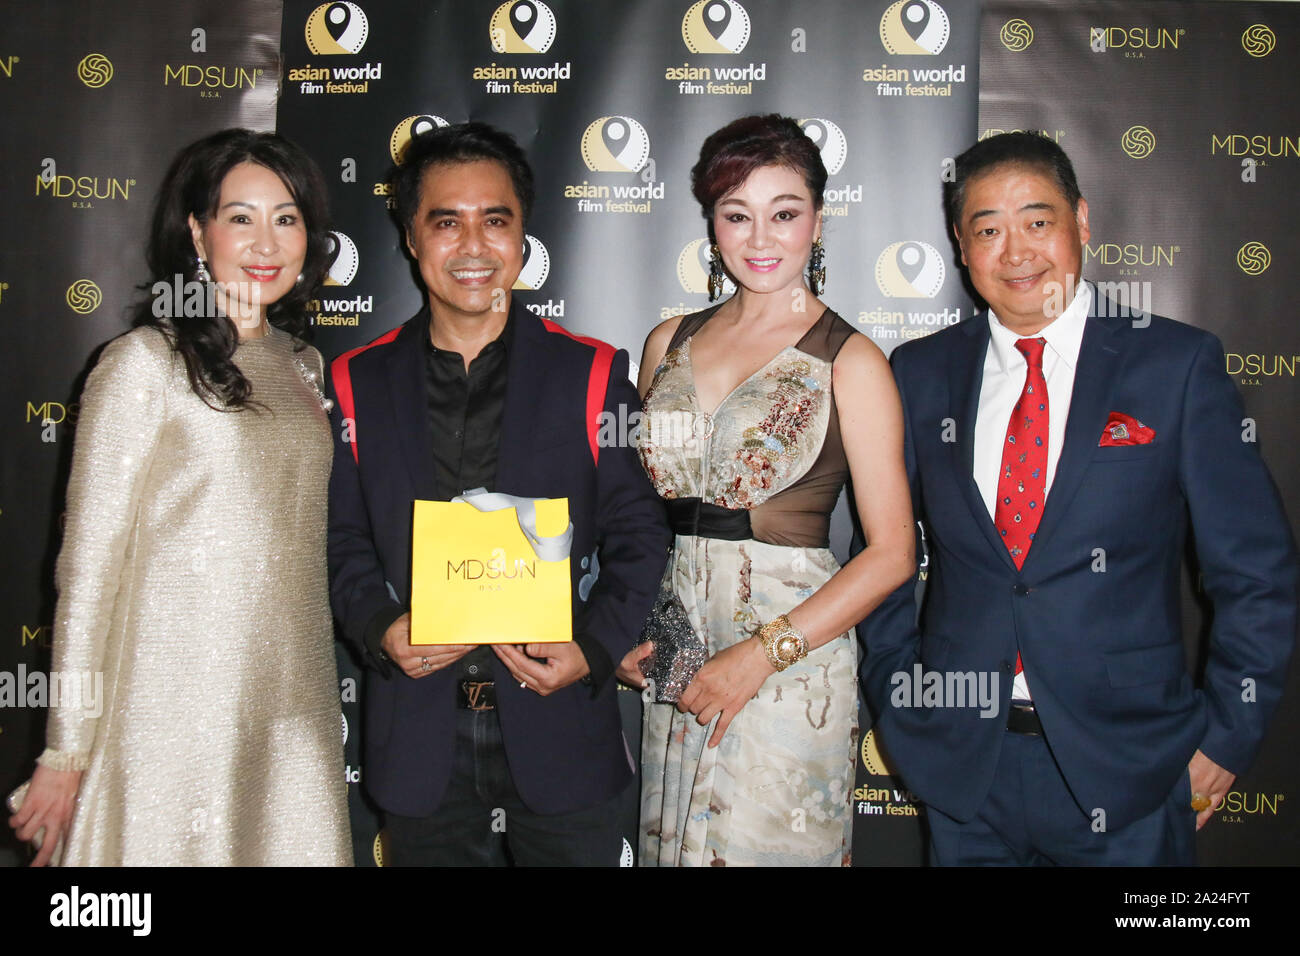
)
(678, 651)
(15, 803)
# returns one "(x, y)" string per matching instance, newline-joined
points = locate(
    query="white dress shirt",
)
(1005, 370)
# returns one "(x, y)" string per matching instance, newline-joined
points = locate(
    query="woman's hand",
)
(629, 668)
(727, 681)
(49, 803)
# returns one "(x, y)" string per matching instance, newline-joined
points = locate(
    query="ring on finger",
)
(424, 664)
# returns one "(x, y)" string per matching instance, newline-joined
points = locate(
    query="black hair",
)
(192, 186)
(459, 143)
(1009, 149)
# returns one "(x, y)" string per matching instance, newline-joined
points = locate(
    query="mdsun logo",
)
(522, 26)
(334, 28)
(715, 26)
(1016, 35)
(914, 27)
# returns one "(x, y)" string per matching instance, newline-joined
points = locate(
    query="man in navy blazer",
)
(1061, 449)
(477, 753)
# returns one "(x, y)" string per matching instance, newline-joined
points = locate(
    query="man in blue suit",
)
(512, 753)
(1060, 449)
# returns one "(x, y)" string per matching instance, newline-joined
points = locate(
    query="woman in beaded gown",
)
(192, 578)
(756, 412)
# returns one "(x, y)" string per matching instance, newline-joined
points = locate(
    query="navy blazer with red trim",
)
(566, 751)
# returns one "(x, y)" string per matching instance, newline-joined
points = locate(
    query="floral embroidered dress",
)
(777, 790)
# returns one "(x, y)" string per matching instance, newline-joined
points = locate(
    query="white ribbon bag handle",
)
(554, 548)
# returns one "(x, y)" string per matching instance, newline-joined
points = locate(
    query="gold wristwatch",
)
(783, 643)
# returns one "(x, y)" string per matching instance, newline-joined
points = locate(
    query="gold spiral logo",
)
(83, 296)
(1138, 141)
(94, 70)
(1258, 40)
(1253, 258)
(1016, 35)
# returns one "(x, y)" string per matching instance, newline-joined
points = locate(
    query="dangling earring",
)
(201, 270)
(298, 281)
(816, 270)
(716, 276)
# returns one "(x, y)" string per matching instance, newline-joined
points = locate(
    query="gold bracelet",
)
(783, 643)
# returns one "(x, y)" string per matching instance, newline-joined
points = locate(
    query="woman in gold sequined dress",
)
(756, 413)
(193, 599)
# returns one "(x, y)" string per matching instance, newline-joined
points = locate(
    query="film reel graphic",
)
(830, 142)
(408, 128)
(536, 267)
(910, 269)
(346, 259)
(522, 26)
(914, 27)
(334, 28)
(715, 26)
(693, 269)
(615, 144)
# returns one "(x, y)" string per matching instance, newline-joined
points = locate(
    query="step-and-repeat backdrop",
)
(612, 101)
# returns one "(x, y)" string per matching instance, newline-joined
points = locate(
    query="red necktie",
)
(1022, 483)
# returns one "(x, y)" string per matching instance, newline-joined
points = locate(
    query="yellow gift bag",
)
(491, 569)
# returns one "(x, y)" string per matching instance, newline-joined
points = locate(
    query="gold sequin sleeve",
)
(122, 413)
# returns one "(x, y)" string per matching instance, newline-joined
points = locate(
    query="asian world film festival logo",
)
(693, 269)
(84, 297)
(522, 26)
(715, 26)
(830, 142)
(95, 70)
(409, 128)
(615, 144)
(337, 28)
(1252, 258)
(346, 259)
(1258, 40)
(914, 27)
(910, 269)
(537, 265)
(1138, 142)
(1016, 35)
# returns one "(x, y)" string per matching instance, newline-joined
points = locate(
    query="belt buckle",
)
(474, 692)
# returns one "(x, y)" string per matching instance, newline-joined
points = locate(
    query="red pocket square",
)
(1124, 429)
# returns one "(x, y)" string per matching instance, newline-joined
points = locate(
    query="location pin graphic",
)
(614, 134)
(717, 17)
(337, 20)
(910, 260)
(816, 131)
(523, 15)
(916, 17)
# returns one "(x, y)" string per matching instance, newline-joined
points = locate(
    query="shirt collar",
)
(502, 341)
(1064, 335)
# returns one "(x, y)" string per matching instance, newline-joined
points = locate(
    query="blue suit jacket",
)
(1095, 612)
(566, 750)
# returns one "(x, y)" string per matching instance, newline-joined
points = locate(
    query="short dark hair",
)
(730, 154)
(458, 143)
(192, 186)
(1009, 149)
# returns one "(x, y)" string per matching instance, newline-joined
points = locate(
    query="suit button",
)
(473, 668)
(1021, 590)
(1006, 666)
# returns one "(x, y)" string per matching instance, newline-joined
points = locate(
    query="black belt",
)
(1023, 719)
(477, 695)
(703, 519)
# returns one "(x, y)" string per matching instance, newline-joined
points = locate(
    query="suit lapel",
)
(1090, 402)
(967, 378)
(407, 378)
(526, 366)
